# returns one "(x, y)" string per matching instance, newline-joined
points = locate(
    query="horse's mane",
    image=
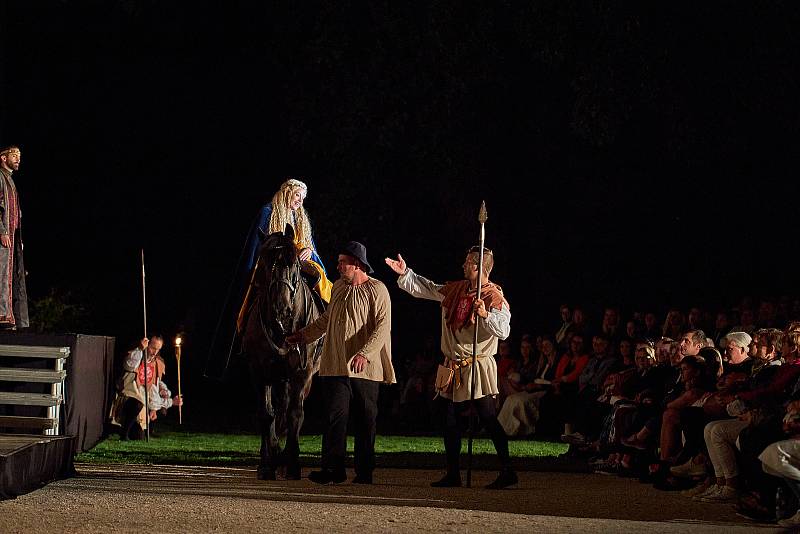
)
(277, 251)
(276, 240)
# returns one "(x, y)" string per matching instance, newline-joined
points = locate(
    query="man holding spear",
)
(466, 319)
(140, 386)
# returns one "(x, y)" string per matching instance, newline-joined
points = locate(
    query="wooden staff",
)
(144, 358)
(474, 376)
(178, 342)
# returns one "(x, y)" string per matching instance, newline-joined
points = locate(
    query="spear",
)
(144, 358)
(474, 375)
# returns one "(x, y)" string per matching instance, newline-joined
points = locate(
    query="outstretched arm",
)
(398, 266)
(412, 283)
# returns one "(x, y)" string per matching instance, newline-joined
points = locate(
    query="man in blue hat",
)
(356, 358)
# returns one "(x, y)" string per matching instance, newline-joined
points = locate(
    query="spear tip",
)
(482, 214)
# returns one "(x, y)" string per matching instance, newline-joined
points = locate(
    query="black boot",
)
(506, 478)
(363, 478)
(450, 480)
(327, 476)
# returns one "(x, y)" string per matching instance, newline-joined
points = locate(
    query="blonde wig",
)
(282, 213)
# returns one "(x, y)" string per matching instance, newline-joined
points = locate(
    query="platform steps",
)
(54, 375)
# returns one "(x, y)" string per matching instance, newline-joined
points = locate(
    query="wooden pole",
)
(474, 374)
(144, 357)
(178, 341)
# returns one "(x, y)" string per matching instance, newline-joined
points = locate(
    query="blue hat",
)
(359, 252)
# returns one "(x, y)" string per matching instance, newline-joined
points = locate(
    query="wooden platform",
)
(54, 401)
(28, 461)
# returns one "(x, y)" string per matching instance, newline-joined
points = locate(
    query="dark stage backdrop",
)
(89, 384)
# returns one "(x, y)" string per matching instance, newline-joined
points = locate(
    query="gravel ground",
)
(108, 498)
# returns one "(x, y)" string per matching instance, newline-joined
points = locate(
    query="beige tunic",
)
(358, 320)
(458, 345)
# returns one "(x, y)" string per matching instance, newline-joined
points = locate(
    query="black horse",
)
(282, 375)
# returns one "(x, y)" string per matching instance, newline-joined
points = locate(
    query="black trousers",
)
(343, 395)
(452, 412)
(693, 422)
(130, 424)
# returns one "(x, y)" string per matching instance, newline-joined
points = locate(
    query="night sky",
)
(642, 156)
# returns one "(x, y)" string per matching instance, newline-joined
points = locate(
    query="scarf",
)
(458, 299)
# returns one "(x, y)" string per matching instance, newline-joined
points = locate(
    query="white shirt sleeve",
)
(154, 400)
(419, 286)
(132, 360)
(498, 322)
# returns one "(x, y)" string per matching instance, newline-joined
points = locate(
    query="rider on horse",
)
(285, 208)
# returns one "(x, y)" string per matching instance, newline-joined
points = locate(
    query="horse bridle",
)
(292, 285)
(284, 280)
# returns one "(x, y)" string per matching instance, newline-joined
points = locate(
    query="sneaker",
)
(697, 490)
(725, 494)
(790, 522)
(711, 490)
(634, 443)
(688, 470)
(448, 481)
(506, 478)
(363, 479)
(607, 468)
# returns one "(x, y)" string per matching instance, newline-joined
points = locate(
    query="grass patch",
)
(194, 448)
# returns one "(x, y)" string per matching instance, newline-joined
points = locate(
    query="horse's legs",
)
(279, 403)
(294, 416)
(269, 441)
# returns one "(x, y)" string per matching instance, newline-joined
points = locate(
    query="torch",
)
(178, 342)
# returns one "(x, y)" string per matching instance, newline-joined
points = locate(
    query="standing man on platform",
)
(459, 310)
(13, 295)
(356, 358)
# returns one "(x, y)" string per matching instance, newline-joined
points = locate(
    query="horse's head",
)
(280, 284)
